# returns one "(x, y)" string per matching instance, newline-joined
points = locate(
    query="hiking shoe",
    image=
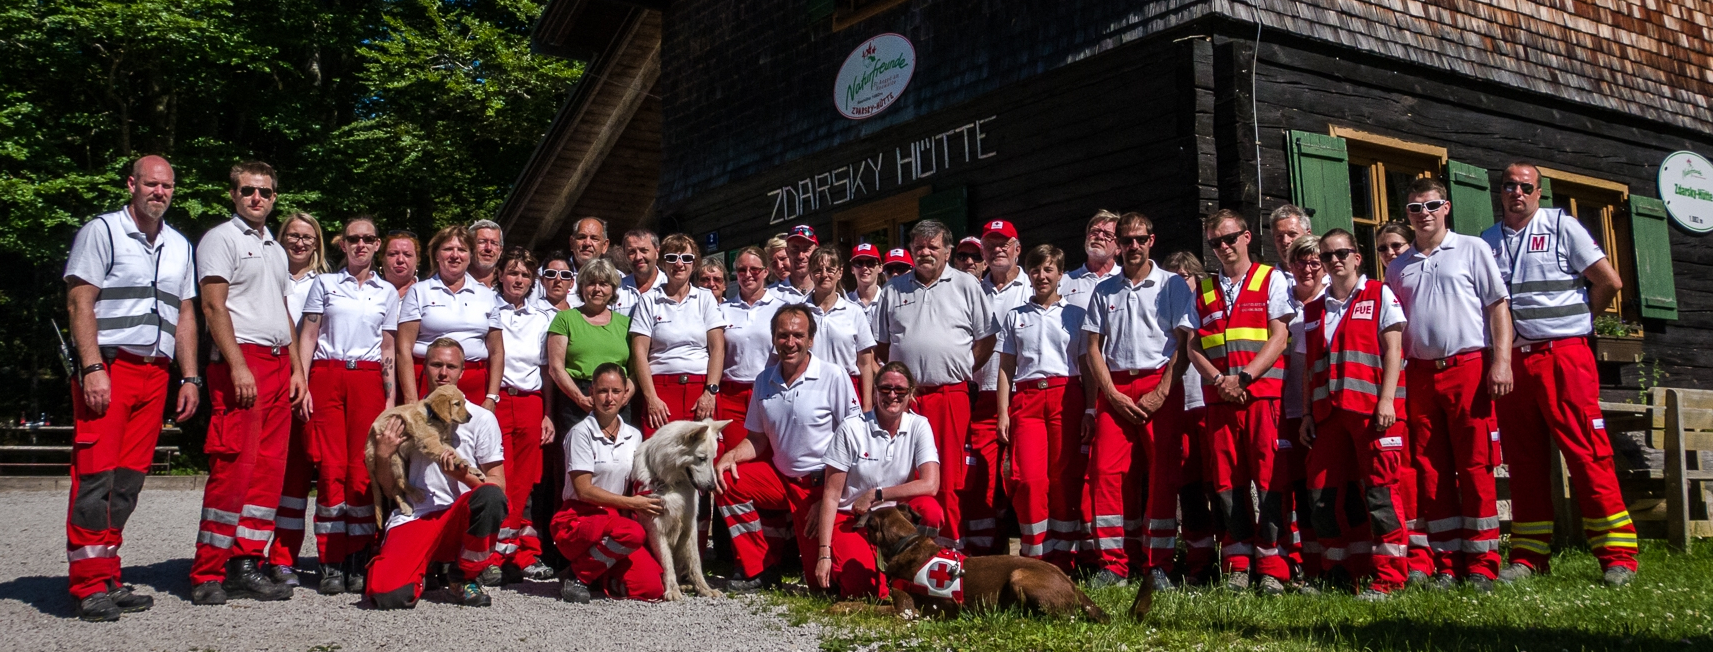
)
(1444, 582)
(1418, 580)
(470, 594)
(766, 579)
(538, 572)
(574, 590)
(125, 597)
(490, 576)
(1271, 586)
(332, 580)
(356, 572)
(1617, 576)
(1105, 577)
(1514, 572)
(97, 608)
(1373, 595)
(244, 580)
(1307, 588)
(1162, 582)
(208, 593)
(1481, 583)
(283, 575)
(1237, 581)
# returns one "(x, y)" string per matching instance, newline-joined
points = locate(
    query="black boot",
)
(208, 593)
(126, 599)
(97, 608)
(356, 572)
(332, 579)
(244, 580)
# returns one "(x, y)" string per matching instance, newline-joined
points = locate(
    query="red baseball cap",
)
(898, 255)
(1001, 227)
(969, 241)
(865, 250)
(803, 231)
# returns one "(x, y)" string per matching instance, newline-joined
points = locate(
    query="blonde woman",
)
(306, 259)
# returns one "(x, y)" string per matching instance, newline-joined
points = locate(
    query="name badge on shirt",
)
(1538, 243)
(1363, 310)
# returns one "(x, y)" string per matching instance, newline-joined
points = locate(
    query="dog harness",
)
(942, 576)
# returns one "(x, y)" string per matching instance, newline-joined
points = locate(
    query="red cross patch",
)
(1538, 243)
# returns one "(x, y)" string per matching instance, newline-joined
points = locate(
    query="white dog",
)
(675, 464)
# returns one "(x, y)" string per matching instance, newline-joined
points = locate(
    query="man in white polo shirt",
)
(254, 380)
(642, 251)
(1006, 287)
(1543, 255)
(799, 244)
(1458, 341)
(938, 322)
(794, 410)
(1100, 243)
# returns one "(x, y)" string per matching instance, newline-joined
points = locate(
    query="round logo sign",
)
(1686, 185)
(874, 76)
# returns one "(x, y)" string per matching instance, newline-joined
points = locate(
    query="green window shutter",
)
(820, 10)
(1546, 192)
(1471, 198)
(1320, 178)
(1654, 275)
(950, 207)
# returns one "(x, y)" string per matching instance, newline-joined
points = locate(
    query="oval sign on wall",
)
(874, 76)
(1686, 186)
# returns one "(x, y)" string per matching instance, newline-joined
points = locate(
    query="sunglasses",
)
(1225, 240)
(865, 262)
(892, 390)
(1394, 247)
(895, 270)
(558, 275)
(750, 271)
(1425, 206)
(1512, 186)
(1336, 254)
(1133, 240)
(678, 258)
(266, 193)
(364, 239)
(964, 256)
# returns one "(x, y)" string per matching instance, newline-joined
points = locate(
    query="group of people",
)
(1110, 411)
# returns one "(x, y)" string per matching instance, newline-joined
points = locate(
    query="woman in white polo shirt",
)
(451, 304)
(349, 358)
(749, 341)
(521, 411)
(884, 457)
(677, 341)
(305, 261)
(845, 338)
(604, 545)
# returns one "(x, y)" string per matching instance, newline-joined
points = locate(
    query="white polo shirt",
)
(626, 296)
(1297, 362)
(873, 458)
(478, 442)
(933, 328)
(1450, 288)
(677, 330)
(749, 336)
(799, 418)
(1047, 340)
(1001, 300)
(1137, 322)
(352, 315)
(867, 306)
(253, 265)
(1077, 286)
(841, 334)
(607, 461)
(787, 292)
(464, 315)
(1542, 265)
(524, 329)
(298, 295)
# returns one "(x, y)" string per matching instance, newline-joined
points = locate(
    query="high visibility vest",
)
(140, 295)
(1347, 373)
(1232, 337)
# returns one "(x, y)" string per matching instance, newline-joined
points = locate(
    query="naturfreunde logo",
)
(874, 76)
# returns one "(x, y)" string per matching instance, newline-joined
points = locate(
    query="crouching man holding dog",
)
(459, 514)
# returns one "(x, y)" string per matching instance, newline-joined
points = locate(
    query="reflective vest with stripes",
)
(1347, 373)
(139, 299)
(1232, 337)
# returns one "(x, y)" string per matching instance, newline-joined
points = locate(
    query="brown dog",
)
(428, 426)
(988, 582)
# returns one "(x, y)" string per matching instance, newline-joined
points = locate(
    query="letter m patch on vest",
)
(1539, 242)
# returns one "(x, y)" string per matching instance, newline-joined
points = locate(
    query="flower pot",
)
(1617, 349)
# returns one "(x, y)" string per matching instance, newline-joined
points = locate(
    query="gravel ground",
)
(37, 611)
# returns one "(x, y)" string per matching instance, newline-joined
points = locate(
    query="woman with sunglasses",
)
(557, 280)
(883, 459)
(844, 337)
(305, 261)
(350, 363)
(521, 411)
(678, 345)
(1392, 239)
(451, 304)
(865, 269)
(749, 341)
(401, 252)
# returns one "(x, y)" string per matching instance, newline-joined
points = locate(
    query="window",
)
(848, 12)
(1381, 170)
(881, 223)
(1598, 205)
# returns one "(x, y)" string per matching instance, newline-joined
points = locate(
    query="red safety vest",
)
(1232, 338)
(1347, 373)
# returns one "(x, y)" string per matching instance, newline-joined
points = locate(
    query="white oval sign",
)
(1686, 186)
(874, 76)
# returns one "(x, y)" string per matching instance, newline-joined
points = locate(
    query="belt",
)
(682, 379)
(923, 390)
(735, 387)
(513, 391)
(1134, 374)
(363, 365)
(1542, 347)
(117, 354)
(1452, 361)
(812, 480)
(1044, 383)
(468, 364)
(259, 349)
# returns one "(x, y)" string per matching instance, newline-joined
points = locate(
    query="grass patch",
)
(1669, 606)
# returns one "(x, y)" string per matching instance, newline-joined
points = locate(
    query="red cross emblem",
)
(939, 575)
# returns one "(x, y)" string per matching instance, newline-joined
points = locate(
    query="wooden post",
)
(1567, 530)
(1676, 489)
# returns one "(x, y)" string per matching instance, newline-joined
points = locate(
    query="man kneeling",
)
(458, 516)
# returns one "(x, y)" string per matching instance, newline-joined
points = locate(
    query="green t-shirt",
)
(588, 346)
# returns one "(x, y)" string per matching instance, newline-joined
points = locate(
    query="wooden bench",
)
(1679, 426)
(46, 450)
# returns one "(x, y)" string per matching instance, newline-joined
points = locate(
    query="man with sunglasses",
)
(1006, 288)
(1458, 340)
(1244, 314)
(1544, 254)
(795, 287)
(968, 258)
(1100, 244)
(254, 380)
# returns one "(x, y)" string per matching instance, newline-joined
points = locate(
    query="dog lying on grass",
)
(674, 465)
(428, 427)
(982, 584)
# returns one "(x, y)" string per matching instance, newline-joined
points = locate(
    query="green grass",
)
(1669, 606)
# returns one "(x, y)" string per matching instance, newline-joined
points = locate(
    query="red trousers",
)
(346, 404)
(679, 392)
(1132, 488)
(520, 417)
(294, 499)
(756, 506)
(855, 572)
(1043, 476)
(1455, 448)
(246, 462)
(463, 532)
(1349, 453)
(978, 498)
(1557, 399)
(733, 405)
(473, 382)
(947, 409)
(1242, 440)
(607, 550)
(1179, 437)
(110, 457)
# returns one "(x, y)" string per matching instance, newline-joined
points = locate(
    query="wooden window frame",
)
(1572, 192)
(844, 18)
(1374, 152)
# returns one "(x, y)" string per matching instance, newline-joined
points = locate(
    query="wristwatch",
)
(877, 495)
(712, 388)
(193, 380)
(1243, 379)
(494, 397)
